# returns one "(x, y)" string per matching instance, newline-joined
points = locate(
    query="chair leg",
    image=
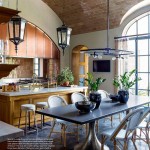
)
(125, 146)
(64, 134)
(133, 140)
(102, 142)
(26, 116)
(35, 122)
(19, 118)
(115, 145)
(52, 129)
(111, 119)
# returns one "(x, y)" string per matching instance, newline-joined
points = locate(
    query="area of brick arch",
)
(85, 16)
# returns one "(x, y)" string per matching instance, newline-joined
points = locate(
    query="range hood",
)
(5, 69)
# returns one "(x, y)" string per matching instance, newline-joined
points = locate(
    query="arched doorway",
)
(79, 64)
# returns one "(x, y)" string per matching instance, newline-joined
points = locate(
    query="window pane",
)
(131, 63)
(143, 64)
(143, 25)
(143, 47)
(132, 30)
(36, 67)
(143, 92)
(143, 84)
(131, 45)
(81, 82)
(81, 70)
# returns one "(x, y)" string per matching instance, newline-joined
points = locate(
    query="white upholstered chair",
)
(56, 101)
(125, 130)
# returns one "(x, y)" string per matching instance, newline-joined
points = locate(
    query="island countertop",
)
(42, 90)
(10, 102)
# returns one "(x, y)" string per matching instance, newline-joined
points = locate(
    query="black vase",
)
(123, 96)
(95, 97)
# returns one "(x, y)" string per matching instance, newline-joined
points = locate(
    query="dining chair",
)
(144, 128)
(104, 97)
(125, 131)
(76, 97)
(56, 101)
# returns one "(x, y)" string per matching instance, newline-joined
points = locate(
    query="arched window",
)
(138, 33)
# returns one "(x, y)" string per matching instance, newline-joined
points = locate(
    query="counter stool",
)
(42, 105)
(28, 108)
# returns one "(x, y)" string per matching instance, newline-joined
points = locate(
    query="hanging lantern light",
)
(16, 29)
(63, 35)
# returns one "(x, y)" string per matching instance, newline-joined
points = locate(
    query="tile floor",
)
(41, 142)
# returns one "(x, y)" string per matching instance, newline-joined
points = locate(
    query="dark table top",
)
(107, 108)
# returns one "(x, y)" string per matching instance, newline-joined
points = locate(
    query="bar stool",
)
(28, 108)
(42, 105)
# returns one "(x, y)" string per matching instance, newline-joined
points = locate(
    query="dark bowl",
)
(114, 97)
(85, 106)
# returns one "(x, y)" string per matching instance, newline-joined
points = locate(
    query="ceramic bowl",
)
(85, 106)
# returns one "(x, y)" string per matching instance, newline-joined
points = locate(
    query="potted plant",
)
(124, 83)
(94, 86)
(66, 77)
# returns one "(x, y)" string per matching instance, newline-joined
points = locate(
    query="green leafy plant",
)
(94, 85)
(126, 80)
(65, 76)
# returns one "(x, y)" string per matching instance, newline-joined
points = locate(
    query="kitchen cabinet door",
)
(22, 47)
(3, 31)
(48, 47)
(55, 52)
(39, 44)
(30, 40)
(3, 36)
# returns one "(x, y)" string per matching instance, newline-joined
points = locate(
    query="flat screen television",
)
(101, 65)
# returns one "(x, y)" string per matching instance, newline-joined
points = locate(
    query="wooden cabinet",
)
(3, 31)
(39, 43)
(22, 47)
(10, 105)
(36, 44)
(55, 52)
(30, 40)
(48, 47)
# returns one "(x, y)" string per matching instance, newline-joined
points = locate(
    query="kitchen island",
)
(10, 102)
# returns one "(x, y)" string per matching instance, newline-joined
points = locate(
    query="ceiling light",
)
(16, 29)
(107, 51)
(63, 35)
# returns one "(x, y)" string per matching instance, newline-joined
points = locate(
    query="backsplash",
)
(24, 70)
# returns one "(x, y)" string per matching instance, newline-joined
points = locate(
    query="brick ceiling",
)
(85, 16)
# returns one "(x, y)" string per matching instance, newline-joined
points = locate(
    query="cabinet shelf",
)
(5, 69)
(6, 14)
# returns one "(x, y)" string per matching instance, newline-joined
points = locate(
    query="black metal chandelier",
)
(99, 52)
(16, 29)
(63, 34)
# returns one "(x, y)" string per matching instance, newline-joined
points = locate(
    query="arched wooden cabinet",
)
(36, 44)
(79, 64)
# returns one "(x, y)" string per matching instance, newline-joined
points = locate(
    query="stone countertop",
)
(42, 90)
(9, 132)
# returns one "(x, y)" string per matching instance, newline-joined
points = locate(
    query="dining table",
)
(107, 108)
